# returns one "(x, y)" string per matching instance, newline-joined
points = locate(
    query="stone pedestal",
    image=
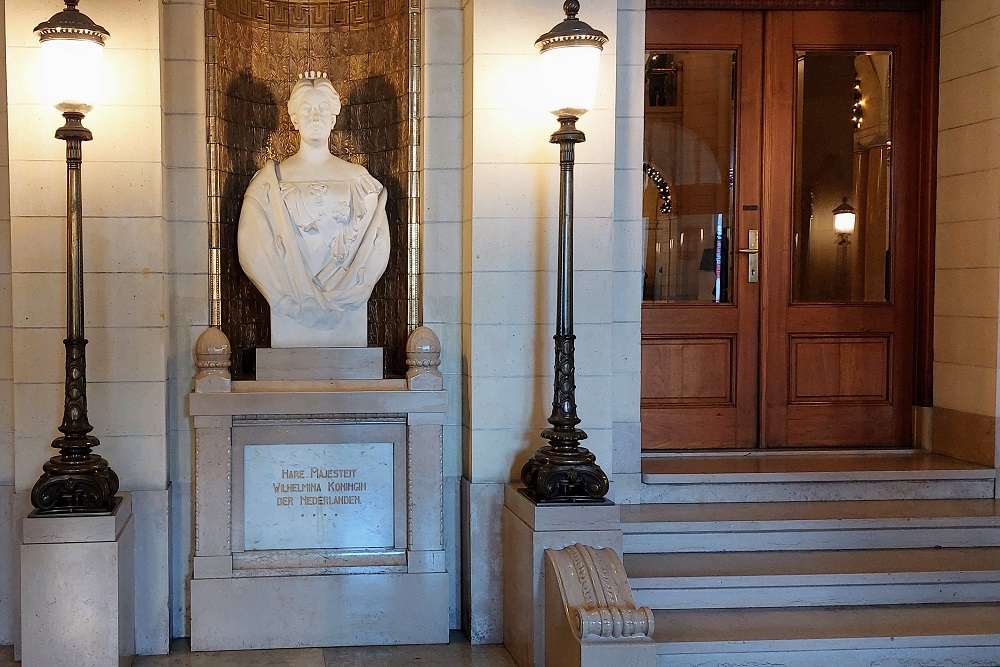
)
(319, 363)
(78, 590)
(528, 530)
(319, 506)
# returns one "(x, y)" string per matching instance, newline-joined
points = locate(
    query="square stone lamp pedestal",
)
(78, 589)
(528, 531)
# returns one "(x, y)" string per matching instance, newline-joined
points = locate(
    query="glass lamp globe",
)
(72, 60)
(570, 54)
(844, 218)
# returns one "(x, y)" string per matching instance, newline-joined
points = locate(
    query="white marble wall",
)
(186, 210)
(127, 309)
(441, 240)
(509, 225)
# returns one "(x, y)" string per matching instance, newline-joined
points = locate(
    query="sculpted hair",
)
(307, 83)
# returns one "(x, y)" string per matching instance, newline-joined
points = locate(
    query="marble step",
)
(950, 635)
(888, 524)
(806, 476)
(814, 578)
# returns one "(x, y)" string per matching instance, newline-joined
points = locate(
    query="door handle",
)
(752, 252)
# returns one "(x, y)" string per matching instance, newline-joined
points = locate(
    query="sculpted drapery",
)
(311, 268)
(313, 233)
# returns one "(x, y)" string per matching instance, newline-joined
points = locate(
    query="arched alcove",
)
(256, 50)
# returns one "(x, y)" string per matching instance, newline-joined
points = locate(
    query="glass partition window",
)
(689, 154)
(843, 145)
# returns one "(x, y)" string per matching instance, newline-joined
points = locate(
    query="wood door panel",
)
(695, 29)
(839, 370)
(682, 427)
(688, 370)
(660, 320)
(839, 425)
(857, 318)
(870, 31)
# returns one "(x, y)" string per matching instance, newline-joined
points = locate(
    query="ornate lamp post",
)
(562, 471)
(77, 480)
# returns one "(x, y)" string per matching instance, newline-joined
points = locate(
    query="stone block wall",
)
(6, 374)
(441, 241)
(967, 273)
(185, 180)
(510, 179)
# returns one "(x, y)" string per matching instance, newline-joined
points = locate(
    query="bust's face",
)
(314, 118)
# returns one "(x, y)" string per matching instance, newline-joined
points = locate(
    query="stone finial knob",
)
(423, 356)
(212, 355)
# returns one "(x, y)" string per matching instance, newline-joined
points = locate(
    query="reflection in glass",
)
(843, 142)
(688, 163)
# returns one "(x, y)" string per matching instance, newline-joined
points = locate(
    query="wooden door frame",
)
(923, 334)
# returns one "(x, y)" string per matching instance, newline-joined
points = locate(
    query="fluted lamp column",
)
(76, 480)
(563, 471)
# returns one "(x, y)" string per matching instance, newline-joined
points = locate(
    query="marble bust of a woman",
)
(313, 234)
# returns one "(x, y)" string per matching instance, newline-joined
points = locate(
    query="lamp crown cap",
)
(571, 31)
(71, 23)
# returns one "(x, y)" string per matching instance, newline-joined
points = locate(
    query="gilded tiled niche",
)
(256, 50)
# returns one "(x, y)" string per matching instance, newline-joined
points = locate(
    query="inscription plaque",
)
(327, 496)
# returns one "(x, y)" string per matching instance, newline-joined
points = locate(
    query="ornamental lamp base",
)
(568, 477)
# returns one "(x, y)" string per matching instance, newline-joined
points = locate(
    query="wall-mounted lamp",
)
(562, 471)
(77, 480)
(845, 218)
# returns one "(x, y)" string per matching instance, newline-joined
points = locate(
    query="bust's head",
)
(313, 106)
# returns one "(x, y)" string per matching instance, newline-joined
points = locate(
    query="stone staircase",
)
(848, 579)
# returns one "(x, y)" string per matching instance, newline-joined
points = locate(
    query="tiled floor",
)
(459, 653)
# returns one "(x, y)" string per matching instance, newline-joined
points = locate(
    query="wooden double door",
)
(783, 209)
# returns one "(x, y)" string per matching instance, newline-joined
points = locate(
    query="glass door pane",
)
(689, 159)
(843, 145)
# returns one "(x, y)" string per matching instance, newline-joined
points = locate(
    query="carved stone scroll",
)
(590, 611)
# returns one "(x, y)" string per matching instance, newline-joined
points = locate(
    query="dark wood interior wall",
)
(256, 50)
(795, 5)
(923, 362)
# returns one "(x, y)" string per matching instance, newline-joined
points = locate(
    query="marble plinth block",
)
(78, 590)
(319, 507)
(319, 363)
(528, 530)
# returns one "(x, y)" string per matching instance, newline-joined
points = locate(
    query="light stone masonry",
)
(508, 267)
(967, 275)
